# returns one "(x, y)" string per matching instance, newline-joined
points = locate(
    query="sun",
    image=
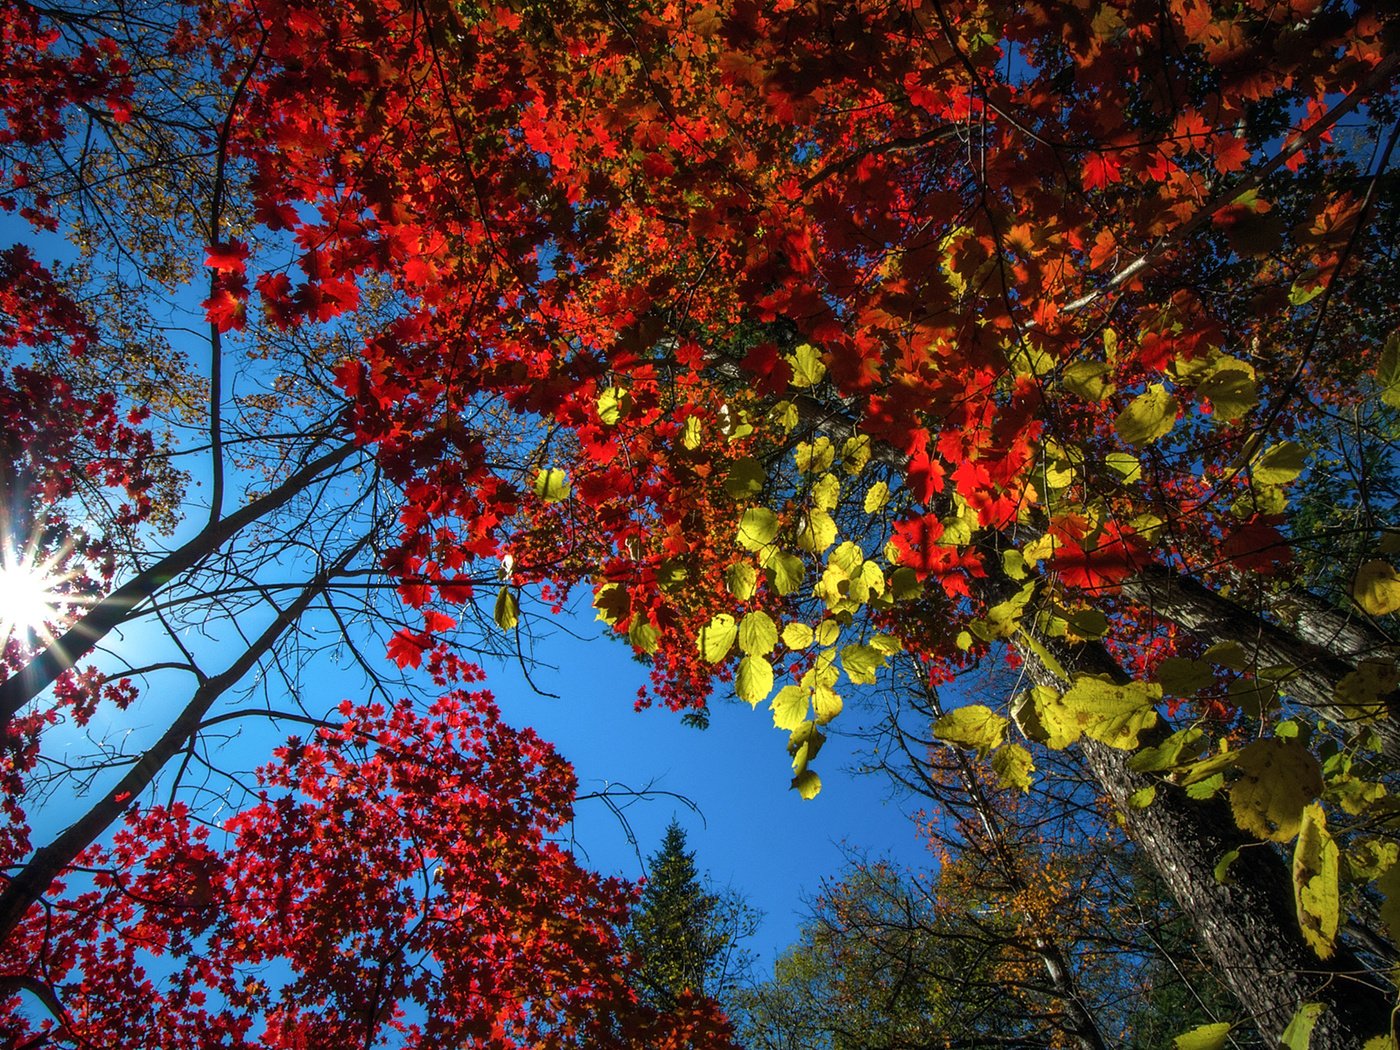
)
(29, 596)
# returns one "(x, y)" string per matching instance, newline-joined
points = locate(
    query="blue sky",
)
(752, 831)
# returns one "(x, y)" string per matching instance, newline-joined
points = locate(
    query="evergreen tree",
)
(684, 936)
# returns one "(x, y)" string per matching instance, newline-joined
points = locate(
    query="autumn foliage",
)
(798, 336)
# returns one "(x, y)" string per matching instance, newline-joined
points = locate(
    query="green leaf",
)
(1013, 564)
(1221, 871)
(807, 784)
(742, 580)
(904, 584)
(807, 367)
(1298, 1034)
(1142, 797)
(754, 679)
(1149, 416)
(1315, 885)
(1376, 588)
(671, 573)
(717, 637)
(1206, 788)
(974, 726)
(757, 528)
(1204, 1037)
(1388, 371)
(789, 707)
(757, 634)
(1087, 623)
(786, 571)
(1227, 654)
(552, 485)
(746, 477)
(1013, 767)
(876, 496)
(1232, 393)
(1278, 778)
(507, 611)
(1280, 464)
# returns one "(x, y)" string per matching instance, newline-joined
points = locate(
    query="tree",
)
(1062, 289)
(685, 937)
(335, 901)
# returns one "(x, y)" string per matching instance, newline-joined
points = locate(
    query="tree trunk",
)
(1247, 924)
(1319, 667)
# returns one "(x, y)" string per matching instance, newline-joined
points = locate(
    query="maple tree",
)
(396, 863)
(975, 331)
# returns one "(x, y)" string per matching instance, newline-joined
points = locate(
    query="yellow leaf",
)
(1315, 864)
(807, 366)
(757, 528)
(757, 634)
(789, 707)
(612, 603)
(1149, 416)
(1204, 1037)
(826, 493)
(876, 497)
(644, 637)
(798, 636)
(1278, 778)
(742, 580)
(613, 404)
(552, 485)
(1376, 588)
(1013, 767)
(1280, 464)
(717, 638)
(507, 611)
(807, 784)
(1088, 380)
(975, 726)
(817, 532)
(827, 703)
(754, 679)
(855, 454)
(1232, 393)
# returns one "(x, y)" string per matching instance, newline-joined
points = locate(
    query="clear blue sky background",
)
(752, 831)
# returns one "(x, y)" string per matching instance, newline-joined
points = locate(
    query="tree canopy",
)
(807, 339)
